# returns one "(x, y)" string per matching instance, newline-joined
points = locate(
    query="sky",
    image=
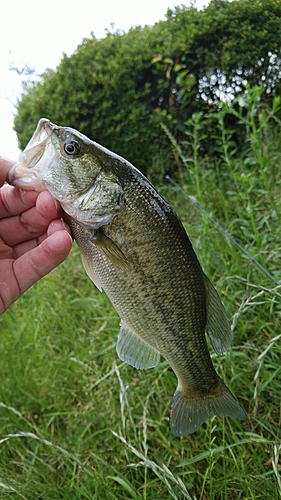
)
(37, 34)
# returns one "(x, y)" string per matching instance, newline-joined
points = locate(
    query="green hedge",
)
(119, 89)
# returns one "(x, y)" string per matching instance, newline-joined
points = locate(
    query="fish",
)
(135, 248)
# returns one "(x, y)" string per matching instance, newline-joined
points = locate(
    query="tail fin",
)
(188, 414)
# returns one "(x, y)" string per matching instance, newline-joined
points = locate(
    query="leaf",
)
(126, 486)
(156, 59)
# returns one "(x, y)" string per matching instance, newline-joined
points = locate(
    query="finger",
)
(58, 225)
(48, 206)
(18, 275)
(5, 166)
(32, 223)
(37, 219)
(39, 261)
(14, 201)
(24, 247)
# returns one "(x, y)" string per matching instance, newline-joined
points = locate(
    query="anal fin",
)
(135, 351)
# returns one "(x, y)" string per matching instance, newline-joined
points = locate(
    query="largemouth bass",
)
(134, 247)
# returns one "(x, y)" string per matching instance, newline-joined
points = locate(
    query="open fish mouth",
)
(26, 172)
(42, 132)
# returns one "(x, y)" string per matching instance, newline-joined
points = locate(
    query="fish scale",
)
(134, 247)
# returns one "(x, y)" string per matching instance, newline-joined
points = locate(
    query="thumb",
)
(5, 166)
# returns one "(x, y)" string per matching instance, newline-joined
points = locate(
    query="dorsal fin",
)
(218, 326)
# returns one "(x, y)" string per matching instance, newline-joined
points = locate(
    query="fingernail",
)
(57, 205)
(66, 226)
(69, 235)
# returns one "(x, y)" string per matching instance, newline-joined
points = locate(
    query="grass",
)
(76, 423)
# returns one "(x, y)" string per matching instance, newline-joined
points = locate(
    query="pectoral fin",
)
(109, 249)
(135, 351)
(89, 270)
(218, 326)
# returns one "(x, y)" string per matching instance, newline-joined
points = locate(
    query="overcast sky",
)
(38, 33)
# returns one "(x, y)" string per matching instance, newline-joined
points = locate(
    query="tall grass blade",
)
(222, 230)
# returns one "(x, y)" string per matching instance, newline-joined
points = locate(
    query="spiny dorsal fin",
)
(135, 351)
(218, 326)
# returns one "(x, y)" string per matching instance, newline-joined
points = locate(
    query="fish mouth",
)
(25, 173)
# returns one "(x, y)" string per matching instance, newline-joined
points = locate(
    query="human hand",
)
(33, 239)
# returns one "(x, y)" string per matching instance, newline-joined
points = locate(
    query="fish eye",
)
(71, 147)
